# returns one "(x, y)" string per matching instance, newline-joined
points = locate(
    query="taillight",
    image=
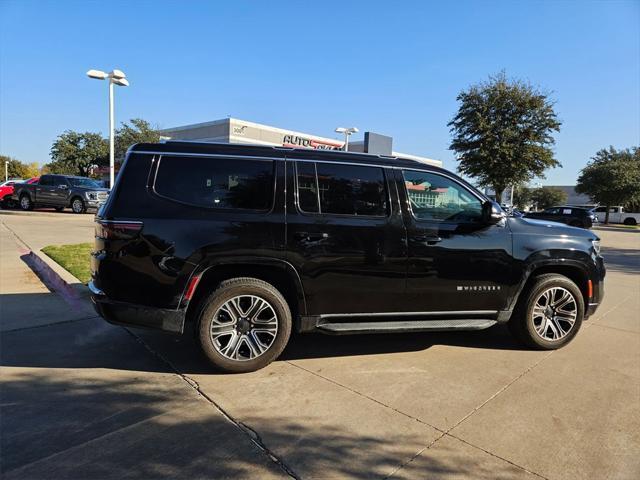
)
(117, 230)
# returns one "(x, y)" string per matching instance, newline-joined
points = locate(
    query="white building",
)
(233, 130)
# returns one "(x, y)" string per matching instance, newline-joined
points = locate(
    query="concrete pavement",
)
(464, 405)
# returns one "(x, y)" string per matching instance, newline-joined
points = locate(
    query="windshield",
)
(83, 182)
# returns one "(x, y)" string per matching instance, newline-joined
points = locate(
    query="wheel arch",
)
(278, 273)
(574, 271)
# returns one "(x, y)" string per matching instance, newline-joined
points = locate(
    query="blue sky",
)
(389, 67)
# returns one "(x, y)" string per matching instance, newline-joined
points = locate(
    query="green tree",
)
(74, 153)
(612, 177)
(136, 131)
(522, 196)
(502, 133)
(545, 197)
(18, 169)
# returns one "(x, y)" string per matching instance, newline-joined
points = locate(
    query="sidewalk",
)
(83, 399)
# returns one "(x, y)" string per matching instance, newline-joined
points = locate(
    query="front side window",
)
(437, 198)
(57, 181)
(341, 189)
(83, 182)
(218, 183)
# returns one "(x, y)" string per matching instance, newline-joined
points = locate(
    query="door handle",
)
(429, 240)
(310, 237)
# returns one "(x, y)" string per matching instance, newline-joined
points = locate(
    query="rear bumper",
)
(132, 315)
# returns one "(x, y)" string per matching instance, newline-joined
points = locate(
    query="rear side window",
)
(46, 180)
(341, 189)
(217, 183)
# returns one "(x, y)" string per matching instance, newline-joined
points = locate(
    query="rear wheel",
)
(78, 206)
(630, 221)
(575, 223)
(26, 203)
(549, 314)
(243, 325)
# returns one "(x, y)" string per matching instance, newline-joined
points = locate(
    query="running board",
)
(404, 326)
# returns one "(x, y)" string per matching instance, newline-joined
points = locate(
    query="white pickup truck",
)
(617, 215)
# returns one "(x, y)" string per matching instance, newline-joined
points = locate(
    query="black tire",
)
(630, 221)
(211, 307)
(576, 223)
(25, 202)
(78, 205)
(522, 323)
(59, 209)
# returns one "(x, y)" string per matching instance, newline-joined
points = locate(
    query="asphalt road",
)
(81, 398)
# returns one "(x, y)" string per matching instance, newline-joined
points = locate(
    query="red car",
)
(6, 191)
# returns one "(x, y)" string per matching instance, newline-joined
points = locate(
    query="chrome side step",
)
(405, 326)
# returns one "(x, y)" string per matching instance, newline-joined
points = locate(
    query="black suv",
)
(247, 243)
(573, 216)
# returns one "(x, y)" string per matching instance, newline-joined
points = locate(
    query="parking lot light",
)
(116, 77)
(347, 133)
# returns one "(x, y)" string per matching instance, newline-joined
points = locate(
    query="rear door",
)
(345, 237)
(45, 190)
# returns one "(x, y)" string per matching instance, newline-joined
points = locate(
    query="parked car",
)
(6, 191)
(247, 243)
(573, 216)
(61, 191)
(617, 214)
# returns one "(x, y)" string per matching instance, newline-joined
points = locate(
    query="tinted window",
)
(307, 187)
(434, 197)
(216, 182)
(59, 181)
(351, 189)
(83, 182)
(46, 180)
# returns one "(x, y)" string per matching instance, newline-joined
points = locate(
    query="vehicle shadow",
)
(97, 416)
(183, 353)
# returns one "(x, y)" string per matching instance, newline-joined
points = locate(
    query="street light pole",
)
(115, 77)
(347, 133)
(6, 170)
(112, 161)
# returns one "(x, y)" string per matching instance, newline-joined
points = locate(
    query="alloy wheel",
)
(554, 313)
(25, 203)
(244, 327)
(76, 206)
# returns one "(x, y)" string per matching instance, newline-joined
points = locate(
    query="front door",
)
(456, 263)
(345, 237)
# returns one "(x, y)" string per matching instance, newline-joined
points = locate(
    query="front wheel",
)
(78, 206)
(549, 314)
(630, 221)
(244, 325)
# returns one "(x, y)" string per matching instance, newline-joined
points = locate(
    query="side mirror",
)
(492, 213)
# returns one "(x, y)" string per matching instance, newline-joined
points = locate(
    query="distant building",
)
(233, 130)
(573, 198)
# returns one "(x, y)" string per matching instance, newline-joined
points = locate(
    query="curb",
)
(75, 293)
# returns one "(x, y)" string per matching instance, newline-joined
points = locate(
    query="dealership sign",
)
(298, 141)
